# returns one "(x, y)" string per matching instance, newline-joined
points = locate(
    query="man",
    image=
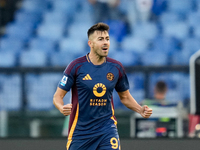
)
(108, 7)
(92, 79)
(160, 92)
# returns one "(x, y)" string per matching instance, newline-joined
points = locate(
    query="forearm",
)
(58, 102)
(58, 98)
(131, 103)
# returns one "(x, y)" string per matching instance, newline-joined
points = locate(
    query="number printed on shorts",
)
(114, 143)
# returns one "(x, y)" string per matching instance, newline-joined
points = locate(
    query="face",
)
(99, 43)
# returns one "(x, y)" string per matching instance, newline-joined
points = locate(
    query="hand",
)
(146, 111)
(66, 109)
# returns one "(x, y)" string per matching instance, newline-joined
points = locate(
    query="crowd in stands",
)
(144, 32)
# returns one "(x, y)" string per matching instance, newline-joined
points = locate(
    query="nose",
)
(106, 41)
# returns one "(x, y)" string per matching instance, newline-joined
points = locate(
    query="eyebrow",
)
(100, 37)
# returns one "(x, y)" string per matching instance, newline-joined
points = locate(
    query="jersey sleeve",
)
(67, 80)
(122, 84)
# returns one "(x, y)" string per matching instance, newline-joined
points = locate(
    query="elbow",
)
(123, 99)
(124, 95)
(54, 99)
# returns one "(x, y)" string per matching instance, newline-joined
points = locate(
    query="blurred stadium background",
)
(154, 40)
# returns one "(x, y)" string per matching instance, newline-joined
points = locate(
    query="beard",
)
(101, 53)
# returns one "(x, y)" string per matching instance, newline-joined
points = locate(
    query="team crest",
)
(110, 76)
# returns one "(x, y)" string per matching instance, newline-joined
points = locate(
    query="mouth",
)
(105, 48)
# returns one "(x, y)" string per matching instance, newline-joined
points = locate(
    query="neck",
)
(96, 59)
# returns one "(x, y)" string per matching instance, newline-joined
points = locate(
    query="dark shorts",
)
(106, 141)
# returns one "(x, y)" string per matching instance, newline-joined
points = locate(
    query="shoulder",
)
(114, 62)
(79, 60)
(75, 63)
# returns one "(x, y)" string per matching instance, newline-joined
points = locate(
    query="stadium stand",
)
(33, 59)
(7, 59)
(53, 32)
(10, 101)
(40, 97)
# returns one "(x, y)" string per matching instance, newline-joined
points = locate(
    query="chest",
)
(104, 77)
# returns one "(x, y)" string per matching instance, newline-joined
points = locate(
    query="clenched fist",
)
(146, 111)
(66, 109)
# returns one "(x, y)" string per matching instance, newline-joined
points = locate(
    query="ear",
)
(90, 43)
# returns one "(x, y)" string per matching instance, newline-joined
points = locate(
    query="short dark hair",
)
(161, 87)
(98, 27)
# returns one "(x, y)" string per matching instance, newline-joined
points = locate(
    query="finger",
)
(66, 110)
(67, 106)
(147, 115)
(147, 109)
(148, 112)
(66, 113)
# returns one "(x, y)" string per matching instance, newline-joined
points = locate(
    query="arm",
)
(59, 104)
(131, 103)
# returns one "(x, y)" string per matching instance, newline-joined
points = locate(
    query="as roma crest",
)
(110, 76)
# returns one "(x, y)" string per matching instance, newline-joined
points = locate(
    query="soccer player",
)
(92, 79)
